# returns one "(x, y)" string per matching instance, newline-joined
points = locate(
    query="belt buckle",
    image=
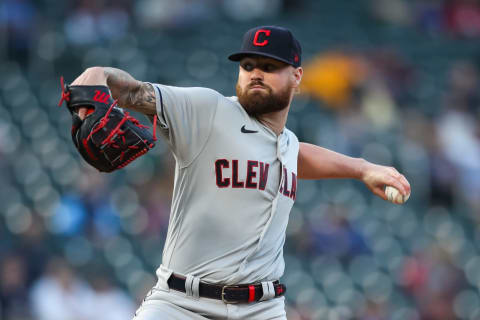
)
(223, 295)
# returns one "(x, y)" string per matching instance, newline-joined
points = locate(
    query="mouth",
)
(257, 86)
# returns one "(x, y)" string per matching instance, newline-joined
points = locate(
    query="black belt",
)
(244, 293)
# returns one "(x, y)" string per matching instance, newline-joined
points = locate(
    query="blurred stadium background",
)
(393, 81)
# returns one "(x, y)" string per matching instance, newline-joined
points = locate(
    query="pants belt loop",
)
(192, 285)
(268, 291)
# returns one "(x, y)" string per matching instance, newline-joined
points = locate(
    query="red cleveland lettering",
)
(256, 177)
(285, 183)
(219, 165)
(251, 174)
(235, 182)
(293, 192)
(263, 175)
(254, 169)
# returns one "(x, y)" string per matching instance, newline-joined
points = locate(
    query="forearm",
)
(315, 162)
(129, 92)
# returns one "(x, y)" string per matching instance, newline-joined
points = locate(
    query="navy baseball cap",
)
(273, 42)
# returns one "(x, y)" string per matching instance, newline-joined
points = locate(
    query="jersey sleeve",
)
(185, 118)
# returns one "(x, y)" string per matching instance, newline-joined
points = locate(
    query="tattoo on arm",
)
(142, 100)
(131, 93)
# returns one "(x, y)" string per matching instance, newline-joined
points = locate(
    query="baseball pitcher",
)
(236, 174)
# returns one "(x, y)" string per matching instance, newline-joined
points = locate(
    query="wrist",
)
(361, 168)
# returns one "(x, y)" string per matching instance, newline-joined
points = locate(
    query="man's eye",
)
(247, 66)
(270, 68)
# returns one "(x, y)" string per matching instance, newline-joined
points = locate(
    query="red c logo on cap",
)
(264, 42)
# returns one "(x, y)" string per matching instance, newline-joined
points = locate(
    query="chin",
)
(256, 95)
(258, 102)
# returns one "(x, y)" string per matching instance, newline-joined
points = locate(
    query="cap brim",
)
(240, 55)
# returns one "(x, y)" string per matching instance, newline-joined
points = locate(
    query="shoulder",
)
(233, 99)
(200, 97)
(232, 102)
(202, 91)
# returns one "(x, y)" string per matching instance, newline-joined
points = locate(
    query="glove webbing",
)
(109, 140)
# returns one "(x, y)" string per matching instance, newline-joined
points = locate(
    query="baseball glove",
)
(108, 138)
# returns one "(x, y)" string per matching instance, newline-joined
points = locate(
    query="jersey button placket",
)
(279, 150)
(277, 196)
(280, 158)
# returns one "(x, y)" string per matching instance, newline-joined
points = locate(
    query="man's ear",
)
(297, 76)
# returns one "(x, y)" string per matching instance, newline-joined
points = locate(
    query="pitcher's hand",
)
(376, 177)
(90, 77)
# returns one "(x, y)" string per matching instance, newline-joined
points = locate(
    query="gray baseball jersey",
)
(235, 183)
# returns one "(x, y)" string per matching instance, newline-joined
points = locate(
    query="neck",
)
(275, 120)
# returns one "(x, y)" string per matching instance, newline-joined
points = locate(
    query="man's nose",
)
(256, 74)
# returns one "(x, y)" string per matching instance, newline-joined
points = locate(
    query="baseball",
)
(394, 196)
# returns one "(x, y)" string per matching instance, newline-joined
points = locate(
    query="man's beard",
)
(260, 102)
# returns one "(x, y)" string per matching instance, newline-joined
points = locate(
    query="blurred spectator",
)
(18, 20)
(443, 173)
(333, 78)
(13, 289)
(94, 22)
(59, 295)
(430, 16)
(156, 197)
(372, 83)
(463, 82)
(397, 12)
(390, 68)
(378, 105)
(114, 19)
(251, 9)
(99, 217)
(459, 18)
(463, 17)
(458, 131)
(415, 274)
(35, 247)
(80, 26)
(110, 302)
(375, 311)
(70, 217)
(180, 14)
(433, 282)
(333, 235)
(106, 222)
